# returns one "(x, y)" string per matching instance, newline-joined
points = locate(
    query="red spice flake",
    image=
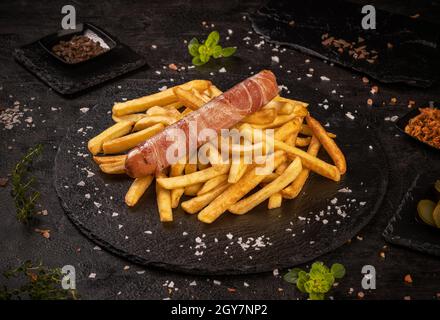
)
(44, 232)
(32, 276)
(232, 290)
(374, 89)
(328, 41)
(426, 126)
(370, 102)
(361, 295)
(408, 278)
(365, 80)
(3, 182)
(172, 66)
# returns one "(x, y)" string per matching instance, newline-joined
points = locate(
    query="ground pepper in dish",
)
(426, 126)
(78, 49)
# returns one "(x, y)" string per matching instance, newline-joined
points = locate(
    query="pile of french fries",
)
(219, 186)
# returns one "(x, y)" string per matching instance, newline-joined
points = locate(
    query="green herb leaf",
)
(204, 58)
(197, 62)
(40, 283)
(292, 276)
(213, 39)
(209, 48)
(316, 296)
(21, 187)
(193, 47)
(300, 285)
(338, 270)
(229, 51)
(318, 281)
(217, 52)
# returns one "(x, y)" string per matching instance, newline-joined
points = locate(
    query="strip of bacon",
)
(222, 112)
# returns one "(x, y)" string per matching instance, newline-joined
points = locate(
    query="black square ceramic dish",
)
(403, 121)
(405, 228)
(83, 29)
(71, 79)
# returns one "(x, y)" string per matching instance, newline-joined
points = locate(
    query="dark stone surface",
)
(72, 79)
(406, 228)
(412, 60)
(167, 27)
(287, 240)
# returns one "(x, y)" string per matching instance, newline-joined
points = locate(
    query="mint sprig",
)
(202, 52)
(318, 281)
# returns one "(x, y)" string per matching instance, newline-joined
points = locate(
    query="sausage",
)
(222, 112)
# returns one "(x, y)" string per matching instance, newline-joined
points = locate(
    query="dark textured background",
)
(141, 24)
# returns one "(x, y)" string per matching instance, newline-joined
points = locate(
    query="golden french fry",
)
(279, 120)
(245, 205)
(296, 186)
(129, 117)
(275, 201)
(329, 144)
(115, 131)
(238, 169)
(303, 142)
(188, 99)
(163, 111)
(163, 198)
(238, 190)
(161, 98)
(317, 165)
(305, 130)
(186, 111)
(192, 178)
(282, 167)
(293, 102)
(214, 91)
(128, 142)
(137, 189)
(263, 116)
(149, 121)
(109, 159)
(192, 189)
(269, 178)
(196, 204)
(201, 96)
(212, 184)
(286, 108)
(113, 167)
(174, 105)
(177, 169)
(297, 122)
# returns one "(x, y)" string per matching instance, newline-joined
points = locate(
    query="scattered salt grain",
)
(275, 59)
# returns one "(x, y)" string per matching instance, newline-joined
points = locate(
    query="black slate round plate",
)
(323, 218)
(404, 229)
(403, 121)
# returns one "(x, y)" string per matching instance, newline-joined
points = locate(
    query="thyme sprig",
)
(42, 283)
(25, 197)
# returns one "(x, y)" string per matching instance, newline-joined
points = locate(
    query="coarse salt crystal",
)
(275, 59)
